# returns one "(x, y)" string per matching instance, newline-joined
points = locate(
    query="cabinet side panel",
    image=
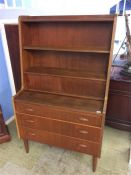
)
(109, 64)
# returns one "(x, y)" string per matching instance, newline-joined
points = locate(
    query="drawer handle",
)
(33, 134)
(29, 109)
(83, 132)
(83, 119)
(83, 146)
(30, 121)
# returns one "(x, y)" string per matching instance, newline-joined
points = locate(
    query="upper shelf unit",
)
(66, 55)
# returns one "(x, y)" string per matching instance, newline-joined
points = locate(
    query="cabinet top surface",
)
(67, 18)
(85, 105)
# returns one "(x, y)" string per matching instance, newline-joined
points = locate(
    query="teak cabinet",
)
(65, 63)
(119, 102)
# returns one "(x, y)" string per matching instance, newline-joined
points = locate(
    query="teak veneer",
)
(65, 68)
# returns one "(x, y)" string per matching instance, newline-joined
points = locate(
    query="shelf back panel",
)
(92, 62)
(84, 35)
(75, 86)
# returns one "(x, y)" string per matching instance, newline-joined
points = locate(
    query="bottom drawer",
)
(70, 143)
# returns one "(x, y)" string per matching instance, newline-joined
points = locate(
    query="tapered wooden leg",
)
(94, 163)
(26, 144)
(130, 156)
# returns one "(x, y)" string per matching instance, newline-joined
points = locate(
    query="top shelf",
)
(90, 50)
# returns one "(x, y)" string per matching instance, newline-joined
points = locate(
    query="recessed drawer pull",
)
(30, 121)
(83, 132)
(83, 146)
(29, 109)
(32, 134)
(83, 119)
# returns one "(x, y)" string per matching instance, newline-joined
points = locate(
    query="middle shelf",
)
(68, 49)
(72, 73)
(70, 82)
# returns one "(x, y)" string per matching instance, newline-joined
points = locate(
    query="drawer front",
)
(1, 119)
(61, 127)
(120, 86)
(50, 112)
(62, 141)
(1, 129)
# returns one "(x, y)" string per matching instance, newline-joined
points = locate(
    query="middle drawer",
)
(61, 127)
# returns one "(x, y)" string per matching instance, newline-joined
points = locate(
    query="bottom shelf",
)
(61, 101)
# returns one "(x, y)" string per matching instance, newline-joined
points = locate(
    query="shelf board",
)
(60, 101)
(68, 95)
(71, 73)
(70, 18)
(71, 49)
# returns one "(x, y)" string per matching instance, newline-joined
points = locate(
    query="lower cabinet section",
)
(76, 130)
(63, 141)
(67, 128)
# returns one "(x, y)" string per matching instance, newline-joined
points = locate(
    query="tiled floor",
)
(46, 160)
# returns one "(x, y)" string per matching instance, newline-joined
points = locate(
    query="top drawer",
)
(52, 112)
(120, 86)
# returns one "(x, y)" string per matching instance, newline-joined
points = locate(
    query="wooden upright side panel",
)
(109, 64)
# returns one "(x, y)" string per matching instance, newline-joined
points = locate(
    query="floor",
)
(47, 160)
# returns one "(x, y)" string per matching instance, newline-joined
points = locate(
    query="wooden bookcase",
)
(65, 64)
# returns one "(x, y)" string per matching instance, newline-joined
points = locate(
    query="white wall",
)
(73, 7)
(61, 7)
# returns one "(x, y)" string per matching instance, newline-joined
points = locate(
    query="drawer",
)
(1, 118)
(62, 141)
(54, 113)
(61, 127)
(1, 131)
(120, 86)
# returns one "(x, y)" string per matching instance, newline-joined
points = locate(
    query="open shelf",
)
(82, 74)
(66, 49)
(60, 101)
(69, 95)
